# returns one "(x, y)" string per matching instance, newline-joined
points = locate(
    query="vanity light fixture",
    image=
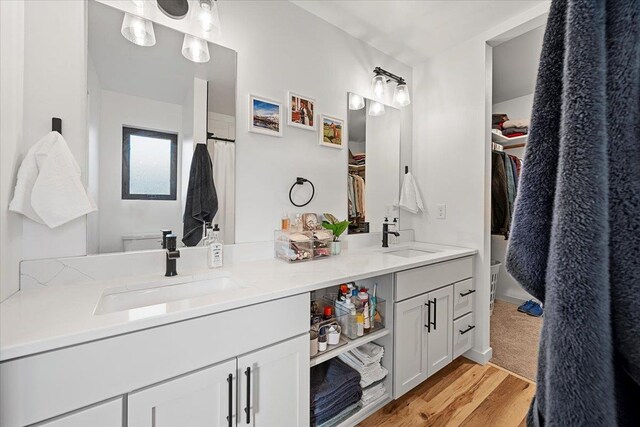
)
(207, 16)
(376, 108)
(195, 49)
(356, 102)
(138, 30)
(401, 97)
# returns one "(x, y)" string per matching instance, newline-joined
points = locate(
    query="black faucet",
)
(385, 234)
(172, 255)
(165, 233)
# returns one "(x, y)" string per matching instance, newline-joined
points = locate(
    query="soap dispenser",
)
(214, 247)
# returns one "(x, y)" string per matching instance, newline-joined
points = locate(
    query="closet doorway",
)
(516, 317)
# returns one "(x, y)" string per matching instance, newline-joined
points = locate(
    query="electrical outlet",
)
(442, 211)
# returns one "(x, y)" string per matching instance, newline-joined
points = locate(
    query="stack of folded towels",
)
(366, 361)
(335, 392)
(513, 128)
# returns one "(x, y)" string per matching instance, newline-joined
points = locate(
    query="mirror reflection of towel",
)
(202, 200)
(49, 189)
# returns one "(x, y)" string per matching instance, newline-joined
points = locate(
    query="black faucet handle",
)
(171, 242)
(165, 233)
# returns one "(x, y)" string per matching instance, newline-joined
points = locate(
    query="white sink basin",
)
(119, 299)
(410, 253)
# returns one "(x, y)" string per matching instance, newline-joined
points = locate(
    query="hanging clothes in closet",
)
(356, 192)
(505, 172)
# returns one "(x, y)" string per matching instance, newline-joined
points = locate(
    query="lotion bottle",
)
(215, 248)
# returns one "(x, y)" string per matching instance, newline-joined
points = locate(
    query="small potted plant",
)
(330, 222)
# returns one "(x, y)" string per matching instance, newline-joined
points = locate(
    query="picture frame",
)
(265, 116)
(301, 111)
(332, 131)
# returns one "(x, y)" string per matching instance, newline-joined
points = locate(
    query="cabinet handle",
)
(467, 330)
(467, 293)
(247, 410)
(428, 325)
(230, 416)
(435, 318)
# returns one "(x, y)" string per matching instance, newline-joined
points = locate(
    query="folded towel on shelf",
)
(334, 387)
(49, 189)
(372, 393)
(369, 374)
(331, 411)
(516, 123)
(509, 131)
(410, 199)
(368, 353)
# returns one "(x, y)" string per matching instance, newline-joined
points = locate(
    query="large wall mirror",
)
(148, 107)
(374, 163)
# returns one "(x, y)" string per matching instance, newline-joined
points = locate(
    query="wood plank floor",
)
(461, 394)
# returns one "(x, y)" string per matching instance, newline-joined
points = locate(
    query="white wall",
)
(11, 114)
(117, 216)
(55, 85)
(451, 151)
(281, 47)
(93, 156)
(516, 108)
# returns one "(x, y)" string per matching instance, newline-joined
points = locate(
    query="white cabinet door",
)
(108, 414)
(440, 341)
(273, 385)
(202, 398)
(410, 344)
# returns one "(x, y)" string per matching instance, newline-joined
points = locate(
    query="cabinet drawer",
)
(410, 283)
(464, 333)
(463, 297)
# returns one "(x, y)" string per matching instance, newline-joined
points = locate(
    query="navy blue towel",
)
(575, 240)
(334, 387)
(202, 199)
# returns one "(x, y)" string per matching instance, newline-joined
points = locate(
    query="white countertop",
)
(39, 320)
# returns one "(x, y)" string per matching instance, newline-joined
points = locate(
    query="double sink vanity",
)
(230, 345)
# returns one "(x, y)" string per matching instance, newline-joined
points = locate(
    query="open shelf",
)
(362, 413)
(500, 139)
(350, 345)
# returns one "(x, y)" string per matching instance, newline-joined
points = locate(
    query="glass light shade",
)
(208, 16)
(379, 88)
(376, 108)
(401, 96)
(138, 3)
(138, 30)
(195, 49)
(356, 102)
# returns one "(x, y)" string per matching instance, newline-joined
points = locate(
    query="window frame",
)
(127, 132)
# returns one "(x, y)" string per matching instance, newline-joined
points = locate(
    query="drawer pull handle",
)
(428, 325)
(247, 410)
(435, 318)
(467, 330)
(230, 416)
(469, 292)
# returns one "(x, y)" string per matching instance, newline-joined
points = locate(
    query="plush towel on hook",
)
(575, 241)
(202, 199)
(48, 189)
(410, 199)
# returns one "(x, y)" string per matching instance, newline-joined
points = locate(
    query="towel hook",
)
(301, 181)
(406, 169)
(56, 125)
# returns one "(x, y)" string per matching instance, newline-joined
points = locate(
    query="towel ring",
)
(301, 181)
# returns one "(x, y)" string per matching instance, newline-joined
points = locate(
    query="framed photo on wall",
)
(332, 131)
(265, 116)
(301, 111)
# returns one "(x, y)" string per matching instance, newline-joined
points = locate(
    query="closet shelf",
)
(361, 413)
(350, 345)
(508, 141)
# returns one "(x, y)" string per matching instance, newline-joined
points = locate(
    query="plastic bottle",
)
(367, 314)
(359, 324)
(284, 222)
(352, 323)
(215, 247)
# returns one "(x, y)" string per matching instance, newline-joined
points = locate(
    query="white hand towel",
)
(410, 199)
(48, 188)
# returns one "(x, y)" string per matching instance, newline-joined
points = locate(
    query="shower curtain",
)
(223, 156)
(575, 241)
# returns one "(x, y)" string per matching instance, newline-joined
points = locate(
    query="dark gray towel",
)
(334, 387)
(202, 200)
(575, 242)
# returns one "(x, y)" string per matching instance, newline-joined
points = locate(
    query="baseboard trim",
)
(481, 357)
(512, 300)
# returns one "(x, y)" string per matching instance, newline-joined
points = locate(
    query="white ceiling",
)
(412, 31)
(158, 72)
(515, 65)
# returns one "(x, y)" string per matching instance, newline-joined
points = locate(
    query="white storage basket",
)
(495, 271)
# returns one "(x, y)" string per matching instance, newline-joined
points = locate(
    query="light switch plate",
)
(442, 211)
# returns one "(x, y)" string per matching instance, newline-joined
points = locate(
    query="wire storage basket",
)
(495, 272)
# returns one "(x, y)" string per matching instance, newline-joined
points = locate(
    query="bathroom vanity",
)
(233, 348)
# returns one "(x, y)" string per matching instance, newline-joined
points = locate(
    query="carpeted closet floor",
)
(514, 339)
